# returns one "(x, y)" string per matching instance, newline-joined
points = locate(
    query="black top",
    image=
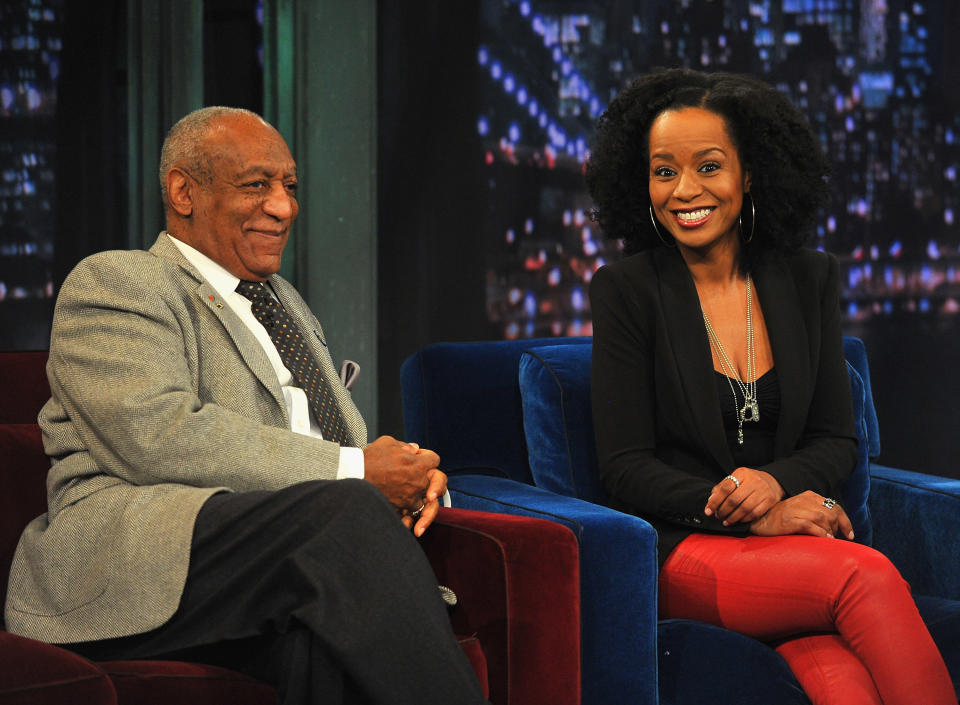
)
(758, 436)
(661, 442)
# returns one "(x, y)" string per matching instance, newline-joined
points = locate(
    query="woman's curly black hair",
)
(787, 165)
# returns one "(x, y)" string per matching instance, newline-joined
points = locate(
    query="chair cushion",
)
(462, 400)
(34, 673)
(23, 378)
(856, 491)
(162, 682)
(558, 424)
(856, 353)
(701, 663)
(918, 527)
(23, 493)
(558, 420)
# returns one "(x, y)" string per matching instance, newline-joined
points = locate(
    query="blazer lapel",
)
(247, 345)
(691, 350)
(776, 291)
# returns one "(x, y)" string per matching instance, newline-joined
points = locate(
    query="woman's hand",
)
(806, 513)
(757, 494)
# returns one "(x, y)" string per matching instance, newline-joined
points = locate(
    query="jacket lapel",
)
(776, 291)
(247, 345)
(690, 346)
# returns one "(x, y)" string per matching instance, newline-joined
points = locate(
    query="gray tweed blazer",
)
(161, 397)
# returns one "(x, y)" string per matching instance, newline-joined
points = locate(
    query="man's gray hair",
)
(182, 144)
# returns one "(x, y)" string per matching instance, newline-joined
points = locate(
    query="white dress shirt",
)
(298, 409)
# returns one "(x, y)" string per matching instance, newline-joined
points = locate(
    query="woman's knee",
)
(871, 574)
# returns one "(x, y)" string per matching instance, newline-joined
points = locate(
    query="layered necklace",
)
(750, 411)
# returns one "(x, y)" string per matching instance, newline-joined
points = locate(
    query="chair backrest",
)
(23, 376)
(856, 353)
(23, 464)
(521, 409)
(462, 400)
(558, 420)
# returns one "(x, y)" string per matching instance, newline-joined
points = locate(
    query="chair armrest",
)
(914, 525)
(618, 583)
(44, 674)
(517, 581)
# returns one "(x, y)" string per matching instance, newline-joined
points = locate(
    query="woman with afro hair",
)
(721, 399)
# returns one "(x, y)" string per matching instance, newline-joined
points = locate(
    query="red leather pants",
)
(841, 613)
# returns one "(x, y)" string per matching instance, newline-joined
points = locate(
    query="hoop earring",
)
(656, 229)
(753, 219)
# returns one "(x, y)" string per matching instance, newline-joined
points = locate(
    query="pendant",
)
(740, 435)
(750, 410)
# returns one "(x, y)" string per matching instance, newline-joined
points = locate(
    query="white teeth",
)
(692, 216)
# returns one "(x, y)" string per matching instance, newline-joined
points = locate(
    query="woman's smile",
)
(693, 218)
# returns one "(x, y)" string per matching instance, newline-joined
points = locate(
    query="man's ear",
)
(180, 192)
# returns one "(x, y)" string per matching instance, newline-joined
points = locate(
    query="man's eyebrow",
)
(258, 170)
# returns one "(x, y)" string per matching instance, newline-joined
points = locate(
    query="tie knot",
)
(252, 290)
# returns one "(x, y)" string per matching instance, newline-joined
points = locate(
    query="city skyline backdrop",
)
(874, 78)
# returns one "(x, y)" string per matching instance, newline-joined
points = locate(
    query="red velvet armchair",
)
(517, 580)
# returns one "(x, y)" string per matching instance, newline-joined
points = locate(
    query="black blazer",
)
(660, 440)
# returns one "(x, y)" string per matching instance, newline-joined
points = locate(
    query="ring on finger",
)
(829, 503)
(735, 480)
(416, 512)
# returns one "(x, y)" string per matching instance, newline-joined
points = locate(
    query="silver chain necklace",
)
(750, 411)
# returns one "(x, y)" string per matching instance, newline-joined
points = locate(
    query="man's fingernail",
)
(708, 511)
(850, 536)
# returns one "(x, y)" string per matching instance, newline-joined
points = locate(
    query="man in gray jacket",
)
(212, 493)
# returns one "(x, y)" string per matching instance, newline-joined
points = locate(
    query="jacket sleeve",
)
(826, 452)
(624, 391)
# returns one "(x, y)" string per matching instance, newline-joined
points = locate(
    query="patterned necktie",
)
(297, 358)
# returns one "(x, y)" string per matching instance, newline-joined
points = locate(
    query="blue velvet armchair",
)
(511, 421)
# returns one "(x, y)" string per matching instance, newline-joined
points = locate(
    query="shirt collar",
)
(219, 278)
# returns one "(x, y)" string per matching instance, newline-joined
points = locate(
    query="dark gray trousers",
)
(318, 589)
